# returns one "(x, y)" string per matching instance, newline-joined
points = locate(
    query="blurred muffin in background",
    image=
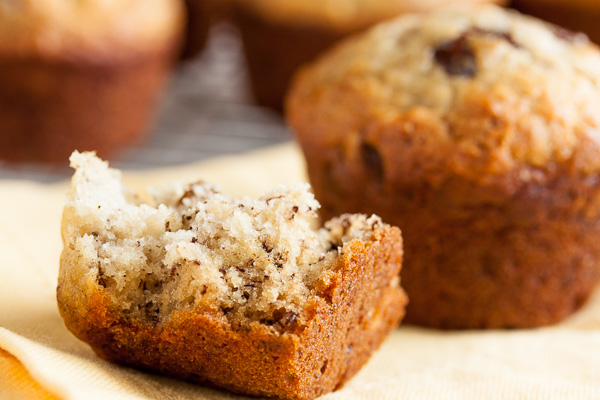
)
(576, 15)
(477, 132)
(281, 35)
(81, 75)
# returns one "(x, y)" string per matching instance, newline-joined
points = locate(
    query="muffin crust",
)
(241, 294)
(456, 127)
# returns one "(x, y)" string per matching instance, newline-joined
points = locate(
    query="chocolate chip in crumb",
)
(457, 57)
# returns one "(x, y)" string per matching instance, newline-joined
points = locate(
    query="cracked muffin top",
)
(479, 90)
(68, 28)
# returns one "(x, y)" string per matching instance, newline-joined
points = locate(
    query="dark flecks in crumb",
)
(374, 225)
(168, 226)
(204, 289)
(223, 271)
(266, 247)
(273, 198)
(278, 264)
(246, 295)
(101, 278)
(282, 319)
(187, 194)
(226, 310)
(194, 240)
(294, 212)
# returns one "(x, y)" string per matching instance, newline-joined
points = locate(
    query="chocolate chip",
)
(372, 161)
(457, 57)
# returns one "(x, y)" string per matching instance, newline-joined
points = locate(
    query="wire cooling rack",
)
(207, 111)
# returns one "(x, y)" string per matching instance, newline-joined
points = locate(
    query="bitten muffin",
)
(576, 15)
(241, 294)
(477, 132)
(81, 75)
(279, 36)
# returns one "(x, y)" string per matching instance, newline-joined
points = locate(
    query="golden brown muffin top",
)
(481, 86)
(345, 14)
(69, 28)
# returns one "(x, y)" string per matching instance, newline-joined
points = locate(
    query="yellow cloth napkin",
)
(40, 359)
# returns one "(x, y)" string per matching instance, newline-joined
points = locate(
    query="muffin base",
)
(48, 108)
(495, 253)
(345, 324)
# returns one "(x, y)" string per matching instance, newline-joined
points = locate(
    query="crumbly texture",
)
(576, 15)
(239, 293)
(475, 131)
(271, 28)
(79, 29)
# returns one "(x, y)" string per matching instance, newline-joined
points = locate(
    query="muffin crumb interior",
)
(186, 247)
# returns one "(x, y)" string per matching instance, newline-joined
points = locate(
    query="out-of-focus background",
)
(211, 103)
(207, 111)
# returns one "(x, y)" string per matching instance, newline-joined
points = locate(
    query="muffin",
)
(477, 132)
(241, 294)
(81, 75)
(576, 15)
(279, 36)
